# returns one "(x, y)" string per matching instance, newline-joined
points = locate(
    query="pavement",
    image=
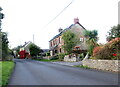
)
(31, 72)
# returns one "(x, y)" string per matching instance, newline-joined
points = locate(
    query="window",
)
(77, 48)
(51, 43)
(59, 39)
(81, 39)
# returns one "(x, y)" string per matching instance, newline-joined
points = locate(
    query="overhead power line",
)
(60, 12)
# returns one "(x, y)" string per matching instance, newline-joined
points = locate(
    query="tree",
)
(0, 45)
(5, 49)
(1, 17)
(70, 40)
(114, 32)
(17, 49)
(34, 50)
(92, 39)
(91, 34)
(110, 50)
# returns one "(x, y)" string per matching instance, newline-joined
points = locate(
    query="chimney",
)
(76, 20)
(60, 29)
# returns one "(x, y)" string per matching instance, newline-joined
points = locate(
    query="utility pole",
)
(33, 38)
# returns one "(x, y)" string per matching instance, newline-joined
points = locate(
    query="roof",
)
(45, 50)
(26, 43)
(81, 25)
(65, 30)
(56, 36)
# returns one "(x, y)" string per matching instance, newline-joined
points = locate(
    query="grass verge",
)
(7, 67)
(81, 66)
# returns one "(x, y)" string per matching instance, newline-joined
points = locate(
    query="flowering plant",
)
(111, 50)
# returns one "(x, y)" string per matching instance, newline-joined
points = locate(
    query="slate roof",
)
(27, 43)
(45, 50)
(65, 30)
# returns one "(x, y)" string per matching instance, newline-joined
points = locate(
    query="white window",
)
(81, 39)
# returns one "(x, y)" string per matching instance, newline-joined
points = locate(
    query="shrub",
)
(96, 49)
(90, 49)
(61, 56)
(104, 53)
(111, 50)
(55, 57)
(81, 56)
(48, 54)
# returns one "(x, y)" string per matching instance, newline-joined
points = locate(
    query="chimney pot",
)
(76, 20)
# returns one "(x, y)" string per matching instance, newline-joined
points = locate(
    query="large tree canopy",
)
(34, 50)
(4, 44)
(70, 40)
(114, 32)
(91, 34)
(92, 39)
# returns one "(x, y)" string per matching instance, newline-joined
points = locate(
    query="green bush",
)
(111, 50)
(66, 53)
(48, 54)
(55, 57)
(81, 56)
(61, 56)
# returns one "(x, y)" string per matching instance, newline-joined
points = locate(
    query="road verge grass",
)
(0, 73)
(7, 68)
(81, 66)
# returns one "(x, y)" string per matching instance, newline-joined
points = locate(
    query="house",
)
(55, 44)
(24, 50)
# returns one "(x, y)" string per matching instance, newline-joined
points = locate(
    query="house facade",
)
(56, 43)
(24, 50)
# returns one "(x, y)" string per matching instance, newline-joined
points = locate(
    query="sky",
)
(25, 18)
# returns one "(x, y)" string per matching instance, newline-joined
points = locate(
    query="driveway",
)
(31, 72)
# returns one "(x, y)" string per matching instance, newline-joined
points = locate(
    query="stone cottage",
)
(56, 42)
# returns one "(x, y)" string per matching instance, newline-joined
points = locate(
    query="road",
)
(31, 72)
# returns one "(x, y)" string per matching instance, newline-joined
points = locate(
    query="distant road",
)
(31, 72)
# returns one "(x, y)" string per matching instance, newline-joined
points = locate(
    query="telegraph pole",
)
(33, 38)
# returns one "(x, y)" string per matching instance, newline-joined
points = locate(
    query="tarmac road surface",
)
(31, 72)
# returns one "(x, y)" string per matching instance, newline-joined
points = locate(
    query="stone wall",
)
(110, 65)
(72, 59)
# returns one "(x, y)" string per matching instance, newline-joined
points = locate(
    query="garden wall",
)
(72, 59)
(110, 65)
